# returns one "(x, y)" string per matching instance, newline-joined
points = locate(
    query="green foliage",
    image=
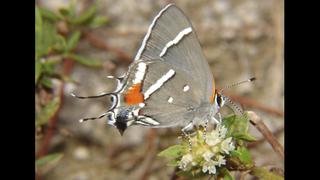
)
(173, 151)
(85, 17)
(57, 37)
(238, 127)
(98, 21)
(84, 60)
(242, 155)
(51, 158)
(49, 42)
(233, 129)
(47, 162)
(225, 173)
(45, 13)
(264, 174)
(72, 41)
(44, 114)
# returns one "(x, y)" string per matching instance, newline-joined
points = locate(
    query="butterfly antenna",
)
(94, 118)
(236, 84)
(96, 96)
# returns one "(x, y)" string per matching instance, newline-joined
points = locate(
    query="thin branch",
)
(275, 133)
(243, 174)
(174, 175)
(256, 121)
(67, 66)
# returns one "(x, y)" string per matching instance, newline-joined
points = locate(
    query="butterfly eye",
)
(218, 100)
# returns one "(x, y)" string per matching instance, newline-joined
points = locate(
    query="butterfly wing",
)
(172, 38)
(167, 100)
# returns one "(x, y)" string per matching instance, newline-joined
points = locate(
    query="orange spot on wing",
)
(134, 95)
(213, 92)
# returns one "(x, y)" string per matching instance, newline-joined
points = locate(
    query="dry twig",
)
(256, 121)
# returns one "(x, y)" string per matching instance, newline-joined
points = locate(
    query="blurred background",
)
(80, 43)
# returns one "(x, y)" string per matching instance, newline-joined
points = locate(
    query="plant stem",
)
(256, 121)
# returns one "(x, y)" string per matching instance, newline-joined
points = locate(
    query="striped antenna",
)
(236, 84)
(96, 96)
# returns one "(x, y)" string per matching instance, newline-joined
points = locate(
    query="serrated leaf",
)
(85, 60)
(46, 13)
(172, 151)
(245, 137)
(38, 71)
(264, 174)
(98, 21)
(85, 16)
(73, 40)
(46, 113)
(48, 159)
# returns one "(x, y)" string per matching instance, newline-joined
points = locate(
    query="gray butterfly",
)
(169, 83)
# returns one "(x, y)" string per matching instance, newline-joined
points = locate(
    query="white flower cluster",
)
(210, 153)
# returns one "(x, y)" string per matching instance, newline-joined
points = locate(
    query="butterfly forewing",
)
(172, 38)
(171, 102)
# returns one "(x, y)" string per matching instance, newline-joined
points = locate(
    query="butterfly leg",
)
(215, 120)
(219, 117)
(184, 131)
(205, 129)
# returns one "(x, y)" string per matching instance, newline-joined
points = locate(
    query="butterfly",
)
(169, 82)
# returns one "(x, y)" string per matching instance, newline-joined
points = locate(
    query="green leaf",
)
(60, 44)
(173, 163)
(226, 174)
(65, 12)
(238, 127)
(46, 113)
(48, 158)
(172, 151)
(46, 13)
(243, 155)
(85, 60)
(193, 173)
(73, 40)
(38, 70)
(46, 38)
(38, 33)
(98, 21)
(85, 16)
(241, 124)
(228, 123)
(46, 81)
(47, 68)
(245, 137)
(264, 174)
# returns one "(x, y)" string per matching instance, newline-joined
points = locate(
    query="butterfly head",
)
(121, 118)
(219, 100)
